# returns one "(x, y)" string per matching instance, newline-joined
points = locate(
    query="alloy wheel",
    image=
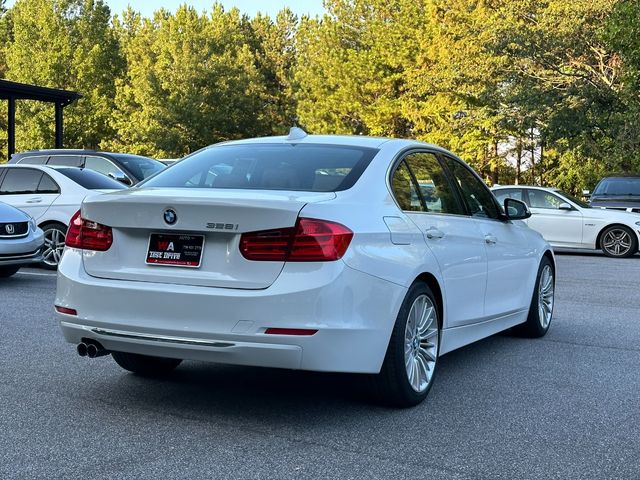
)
(53, 246)
(617, 242)
(421, 343)
(545, 296)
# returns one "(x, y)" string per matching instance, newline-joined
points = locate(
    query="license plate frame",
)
(166, 256)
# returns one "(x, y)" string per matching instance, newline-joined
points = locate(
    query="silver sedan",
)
(21, 241)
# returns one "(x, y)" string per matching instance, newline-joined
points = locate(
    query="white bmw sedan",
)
(567, 222)
(325, 253)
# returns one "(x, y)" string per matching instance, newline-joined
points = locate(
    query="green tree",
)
(69, 45)
(191, 81)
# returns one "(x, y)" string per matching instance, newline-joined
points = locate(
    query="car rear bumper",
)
(353, 314)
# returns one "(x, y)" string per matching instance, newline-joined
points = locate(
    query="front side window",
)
(101, 165)
(542, 199)
(20, 180)
(140, 167)
(476, 194)
(291, 167)
(434, 187)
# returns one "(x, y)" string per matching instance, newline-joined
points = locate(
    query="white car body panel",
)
(220, 312)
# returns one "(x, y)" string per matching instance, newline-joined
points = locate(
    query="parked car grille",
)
(16, 229)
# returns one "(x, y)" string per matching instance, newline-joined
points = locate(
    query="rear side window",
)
(505, 193)
(47, 185)
(65, 160)
(90, 180)
(33, 160)
(313, 168)
(404, 189)
(20, 180)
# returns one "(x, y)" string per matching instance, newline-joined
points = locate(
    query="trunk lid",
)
(220, 215)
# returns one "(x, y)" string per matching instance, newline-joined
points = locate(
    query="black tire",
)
(392, 385)
(145, 364)
(50, 262)
(624, 252)
(534, 327)
(8, 271)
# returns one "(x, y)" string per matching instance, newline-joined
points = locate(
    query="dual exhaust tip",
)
(91, 349)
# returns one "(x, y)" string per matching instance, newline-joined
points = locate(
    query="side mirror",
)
(120, 177)
(565, 206)
(516, 209)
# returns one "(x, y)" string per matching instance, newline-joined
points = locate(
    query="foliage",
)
(526, 91)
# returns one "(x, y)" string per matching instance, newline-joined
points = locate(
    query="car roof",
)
(344, 140)
(66, 151)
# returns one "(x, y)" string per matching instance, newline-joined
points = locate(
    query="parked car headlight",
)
(32, 222)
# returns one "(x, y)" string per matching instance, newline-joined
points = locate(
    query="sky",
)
(270, 7)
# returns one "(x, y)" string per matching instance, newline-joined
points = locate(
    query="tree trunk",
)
(495, 173)
(518, 161)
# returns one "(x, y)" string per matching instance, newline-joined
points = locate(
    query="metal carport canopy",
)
(13, 91)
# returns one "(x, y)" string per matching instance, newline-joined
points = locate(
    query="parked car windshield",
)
(618, 187)
(90, 179)
(139, 166)
(580, 203)
(313, 168)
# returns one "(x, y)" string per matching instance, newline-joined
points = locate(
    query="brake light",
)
(88, 235)
(311, 240)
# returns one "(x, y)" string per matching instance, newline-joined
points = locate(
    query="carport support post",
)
(59, 107)
(11, 130)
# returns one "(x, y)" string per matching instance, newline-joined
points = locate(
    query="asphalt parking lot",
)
(565, 406)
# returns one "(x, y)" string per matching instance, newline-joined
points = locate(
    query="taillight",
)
(311, 240)
(88, 235)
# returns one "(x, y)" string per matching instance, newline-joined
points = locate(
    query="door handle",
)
(434, 233)
(490, 239)
(34, 200)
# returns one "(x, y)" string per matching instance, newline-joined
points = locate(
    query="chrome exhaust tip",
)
(82, 349)
(96, 350)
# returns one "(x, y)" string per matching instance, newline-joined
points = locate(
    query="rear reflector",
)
(88, 235)
(65, 310)
(290, 331)
(311, 240)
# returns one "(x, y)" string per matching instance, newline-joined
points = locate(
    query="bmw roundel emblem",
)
(170, 216)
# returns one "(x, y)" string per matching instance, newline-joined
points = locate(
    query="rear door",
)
(29, 189)
(511, 261)
(423, 191)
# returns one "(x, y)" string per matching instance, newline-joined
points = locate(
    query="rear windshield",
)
(139, 166)
(90, 179)
(313, 168)
(618, 186)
